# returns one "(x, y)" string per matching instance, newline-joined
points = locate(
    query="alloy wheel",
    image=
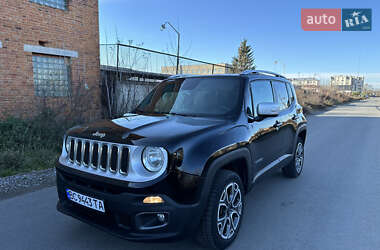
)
(229, 210)
(299, 157)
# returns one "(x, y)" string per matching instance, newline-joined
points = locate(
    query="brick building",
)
(49, 50)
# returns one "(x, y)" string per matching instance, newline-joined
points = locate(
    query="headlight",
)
(154, 158)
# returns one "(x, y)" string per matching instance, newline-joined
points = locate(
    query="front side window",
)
(59, 4)
(262, 92)
(281, 94)
(195, 97)
(51, 76)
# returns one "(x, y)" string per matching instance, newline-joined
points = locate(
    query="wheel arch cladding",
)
(238, 161)
(240, 167)
(302, 135)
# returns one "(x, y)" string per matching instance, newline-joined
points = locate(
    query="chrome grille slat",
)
(109, 148)
(75, 149)
(71, 152)
(110, 157)
(82, 152)
(100, 149)
(119, 152)
(90, 152)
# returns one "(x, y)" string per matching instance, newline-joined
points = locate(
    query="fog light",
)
(153, 199)
(161, 217)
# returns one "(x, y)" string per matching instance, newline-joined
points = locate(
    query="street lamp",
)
(163, 26)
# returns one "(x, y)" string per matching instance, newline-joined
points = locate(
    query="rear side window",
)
(262, 92)
(281, 94)
(290, 93)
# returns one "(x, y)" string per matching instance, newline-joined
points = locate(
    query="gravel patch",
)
(17, 184)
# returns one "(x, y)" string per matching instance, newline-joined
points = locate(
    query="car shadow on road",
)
(93, 238)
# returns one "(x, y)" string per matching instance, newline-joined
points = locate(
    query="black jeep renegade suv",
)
(183, 160)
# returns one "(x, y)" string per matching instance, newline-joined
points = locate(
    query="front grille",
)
(108, 157)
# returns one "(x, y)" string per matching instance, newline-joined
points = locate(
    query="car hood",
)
(160, 130)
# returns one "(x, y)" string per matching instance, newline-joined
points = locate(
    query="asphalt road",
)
(335, 204)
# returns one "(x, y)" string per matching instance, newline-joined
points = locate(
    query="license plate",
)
(85, 200)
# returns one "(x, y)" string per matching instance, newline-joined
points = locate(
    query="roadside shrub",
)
(10, 162)
(35, 142)
(30, 144)
(321, 98)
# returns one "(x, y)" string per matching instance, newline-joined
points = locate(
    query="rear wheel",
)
(221, 222)
(294, 169)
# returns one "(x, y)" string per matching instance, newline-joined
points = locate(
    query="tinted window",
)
(262, 92)
(281, 94)
(290, 93)
(194, 97)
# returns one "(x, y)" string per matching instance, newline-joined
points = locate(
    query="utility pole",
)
(163, 26)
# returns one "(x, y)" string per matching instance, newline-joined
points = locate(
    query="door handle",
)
(277, 125)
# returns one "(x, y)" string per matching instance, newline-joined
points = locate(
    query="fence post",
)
(117, 60)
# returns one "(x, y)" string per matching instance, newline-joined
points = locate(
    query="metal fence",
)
(130, 72)
(147, 60)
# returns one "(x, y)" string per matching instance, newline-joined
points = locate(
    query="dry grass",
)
(322, 98)
(34, 143)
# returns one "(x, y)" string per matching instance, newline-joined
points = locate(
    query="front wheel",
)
(221, 222)
(295, 168)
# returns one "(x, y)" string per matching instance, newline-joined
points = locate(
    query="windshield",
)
(219, 96)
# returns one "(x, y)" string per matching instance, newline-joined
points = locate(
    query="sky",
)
(212, 31)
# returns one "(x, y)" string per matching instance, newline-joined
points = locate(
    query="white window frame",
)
(50, 51)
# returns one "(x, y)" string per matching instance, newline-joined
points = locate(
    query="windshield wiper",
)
(138, 111)
(149, 112)
(173, 113)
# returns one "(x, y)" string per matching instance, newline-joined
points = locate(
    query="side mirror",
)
(268, 109)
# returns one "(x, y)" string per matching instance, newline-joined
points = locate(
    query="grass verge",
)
(322, 98)
(29, 144)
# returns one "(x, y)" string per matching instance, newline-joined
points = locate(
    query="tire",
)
(294, 169)
(213, 234)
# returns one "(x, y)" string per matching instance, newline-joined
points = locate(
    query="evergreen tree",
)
(245, 59)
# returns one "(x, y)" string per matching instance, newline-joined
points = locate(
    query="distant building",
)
(306, 82)
(347, 83)
(198, 69)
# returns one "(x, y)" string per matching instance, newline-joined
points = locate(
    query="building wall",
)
(347, 83)
(75, 29)
(198, 69)
(305, 82)
(130, 87)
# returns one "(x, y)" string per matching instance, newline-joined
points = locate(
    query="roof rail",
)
(246, 72)
(178, 76)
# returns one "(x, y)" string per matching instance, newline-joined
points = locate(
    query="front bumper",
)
(126, 215)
